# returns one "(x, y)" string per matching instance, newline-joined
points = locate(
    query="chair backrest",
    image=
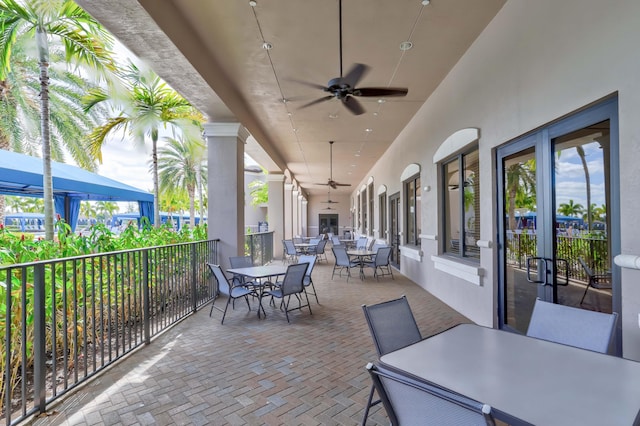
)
(320, 247)
(347, 235)
(240, 261)
(587, 270)
(311, 260)
(572, 326)
(372, 243)
(314, 240)
(361, 243)
(223, 282)
(298, 240)
(392, 325)
(293, 281)
(289, 247)
(335, 240)
(383, 254)
(340, 253)
(412, 402)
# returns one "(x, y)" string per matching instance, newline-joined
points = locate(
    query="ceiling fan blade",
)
(317, 101)
(380, 91)
(308, 84)
(323, 184)
(341, 184)
(353, 105)
(355, 74)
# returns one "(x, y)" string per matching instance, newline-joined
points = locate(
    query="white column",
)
(225, 188)
(275, 211)
(288, 211)
(303, 217)
(295, 204)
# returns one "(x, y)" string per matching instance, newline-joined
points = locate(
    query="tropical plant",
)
(570, 209)
(148, 106)
(521, 179)
(259, 192)
(106, 209)
(181, 166)
(84, 41)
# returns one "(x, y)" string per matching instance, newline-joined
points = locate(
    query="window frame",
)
(413, 218)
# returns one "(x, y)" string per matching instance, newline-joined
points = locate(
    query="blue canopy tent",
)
(21, 175)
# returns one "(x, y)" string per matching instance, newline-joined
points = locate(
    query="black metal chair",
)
(381, 262)
(342, 261)
(308, 281)
(408, 401)
(392, 326)
(597, 281)
(572, 326)
(320, 250)
(292, 284)
(229, 289)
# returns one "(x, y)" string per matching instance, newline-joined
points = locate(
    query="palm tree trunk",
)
(587, 179)
(192, 206)
(156, 183)
(47, 179)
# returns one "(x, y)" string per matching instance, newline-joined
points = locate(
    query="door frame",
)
(394, 233)
(541, 139)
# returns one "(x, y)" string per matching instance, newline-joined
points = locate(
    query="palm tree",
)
(106, 209)
(85, 43)
(587, 180)
(180, 163)
(521, 177)
(148, 106)
(570, 209)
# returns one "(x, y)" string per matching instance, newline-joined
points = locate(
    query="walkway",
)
(255, 372)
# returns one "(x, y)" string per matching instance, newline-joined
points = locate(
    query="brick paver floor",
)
(253, 371)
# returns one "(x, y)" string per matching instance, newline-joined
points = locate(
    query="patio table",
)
(262, 276)
(305, 247)
(361, 255)
(526, 380)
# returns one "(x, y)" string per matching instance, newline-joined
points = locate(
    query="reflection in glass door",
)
(394, 228)
(556, 221)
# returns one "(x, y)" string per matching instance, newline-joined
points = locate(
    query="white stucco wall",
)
(537, 61)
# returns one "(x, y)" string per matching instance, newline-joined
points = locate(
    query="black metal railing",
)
(259, 246)
(594, 251)
(64, 320)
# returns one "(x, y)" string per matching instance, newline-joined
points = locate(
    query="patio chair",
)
(392, 326)
(335, 240)
(242, 262)
(320, 250)
(342, 261)
(292, 284)
(347, 235)
(380, 263)
(361, 243)
(290, 252)
(572, 326)
(308, 281)
(597, 281)
(229, 289)
(408, 401)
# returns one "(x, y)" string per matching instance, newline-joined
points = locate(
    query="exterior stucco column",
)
(276, 212)
(295, 205)
(225, 188)
(303, 217)
(288, 211)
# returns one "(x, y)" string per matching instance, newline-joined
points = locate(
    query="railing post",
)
(194, 273)
(39, 338)
(146, 305)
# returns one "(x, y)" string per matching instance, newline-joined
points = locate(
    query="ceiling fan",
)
(344, 88)
(330, 182)
(329, 200)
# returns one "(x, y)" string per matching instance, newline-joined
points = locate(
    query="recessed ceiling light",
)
(254, 3)
(424, 2)
(406, 45)
(295, 130)
(333, 115)
(267, 46)
(368, 130)
(375, 114)
(381, 101)
(357, 154)
(284, 100)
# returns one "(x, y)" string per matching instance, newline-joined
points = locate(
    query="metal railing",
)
(595, 252)
(64, 320)
(259, 246)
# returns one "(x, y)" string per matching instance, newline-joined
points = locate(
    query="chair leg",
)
(585, 291)
(225, 309)
(315, 293)
(368, 406)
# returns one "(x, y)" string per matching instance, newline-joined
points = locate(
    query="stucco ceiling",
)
(212, 52)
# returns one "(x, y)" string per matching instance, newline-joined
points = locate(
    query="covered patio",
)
(255, 371)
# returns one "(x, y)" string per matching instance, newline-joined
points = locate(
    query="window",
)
(382, 201)
(363, 211)
(371, 205)
(412, 210)
(462, 205)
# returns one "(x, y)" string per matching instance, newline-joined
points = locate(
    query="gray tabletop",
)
(534, 380)
(260, 271)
